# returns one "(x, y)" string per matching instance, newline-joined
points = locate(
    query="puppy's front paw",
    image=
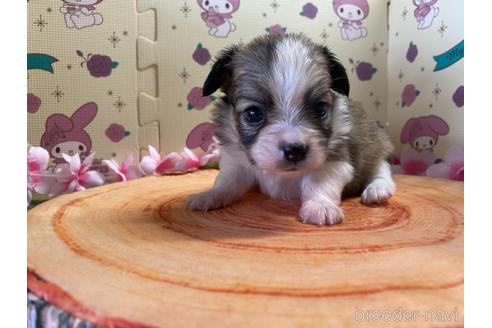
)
(377, 192)
(207, 200)
(313, 212)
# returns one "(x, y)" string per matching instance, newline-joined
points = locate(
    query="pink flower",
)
(37, 162)
(154, 164)
(124, 172)
(76, 176)
(453, 166)
(33, 103)
(212, 155)
(413, 162)
(196, 99)
(276, 29)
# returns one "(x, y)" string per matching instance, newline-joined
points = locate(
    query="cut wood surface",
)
(130, 255)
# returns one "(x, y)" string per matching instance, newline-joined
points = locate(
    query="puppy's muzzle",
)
(294, 152)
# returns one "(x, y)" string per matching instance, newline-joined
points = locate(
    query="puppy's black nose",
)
(295, 153)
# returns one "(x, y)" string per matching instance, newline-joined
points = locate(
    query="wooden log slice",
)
(130, 255)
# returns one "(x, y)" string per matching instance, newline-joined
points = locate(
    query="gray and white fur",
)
(286, 124)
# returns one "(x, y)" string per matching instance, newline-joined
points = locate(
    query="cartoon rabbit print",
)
(422, 133)
(351, 13)
(81, 13)
(217, 15)
(67, 135)
(425, 13)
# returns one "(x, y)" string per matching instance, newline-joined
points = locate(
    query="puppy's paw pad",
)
(320, 214)
(377, 192)
(204, 201)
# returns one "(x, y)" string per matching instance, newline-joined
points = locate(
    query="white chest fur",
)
(279, 186)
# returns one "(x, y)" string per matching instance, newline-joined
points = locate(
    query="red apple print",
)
(116, 132)
(459, 96)
(309, 10)
(408, 95)
(365, 71)
(201, 55)
(276, 30)
(412, 52)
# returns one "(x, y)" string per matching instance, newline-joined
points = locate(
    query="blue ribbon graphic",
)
(450, 57)
(41, 61)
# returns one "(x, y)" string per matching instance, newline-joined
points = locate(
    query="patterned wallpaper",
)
(113, 76)
(425, 87)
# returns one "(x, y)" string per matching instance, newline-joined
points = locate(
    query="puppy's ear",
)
(339, 78)
(221, 74)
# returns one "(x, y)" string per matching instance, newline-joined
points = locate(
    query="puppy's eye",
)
(81, 148)
(341, 10)
(58, 150)
(227, 5)
(206, 3)
(358, 12)
(431, 142)
(254, 115)
(321, 110)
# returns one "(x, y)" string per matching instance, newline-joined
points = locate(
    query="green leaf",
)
(190, 106)
(114, 64)
(417, 92)
(199, 46)
(374, 70)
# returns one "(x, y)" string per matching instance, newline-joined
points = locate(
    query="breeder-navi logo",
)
(401, 314)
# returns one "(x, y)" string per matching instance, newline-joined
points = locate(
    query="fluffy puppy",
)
(286, 124)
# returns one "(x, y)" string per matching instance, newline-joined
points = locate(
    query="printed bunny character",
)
(422, 133)
(81, 13)
(425, 13)
(351, 13)
(65, 134)
(217, 15)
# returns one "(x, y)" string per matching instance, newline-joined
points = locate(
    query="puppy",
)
(286, 124)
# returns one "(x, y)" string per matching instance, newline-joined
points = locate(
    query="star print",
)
(49, 10)
(69, 67)
(180, 105)
(430, 105)
(422, 69)
(437, 91)
(185, 9)
(40, 23)
(119, 104)
(330, 24)
(264, 15)
(404, 13)
(57, 94)
(173, 27)
(114, 39)
(113, 154)
(324, 35)
(110, 92)
(275, 5)
(371, 94)
(400, 75)
(184, 75)
(442, 29)
(377, 103)
(374, 49)
(125, 33)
